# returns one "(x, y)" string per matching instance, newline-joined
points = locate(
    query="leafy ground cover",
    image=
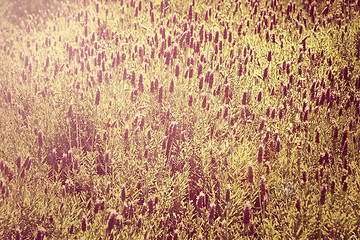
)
(179, 119)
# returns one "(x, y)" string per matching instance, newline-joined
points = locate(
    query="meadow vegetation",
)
(138, 119)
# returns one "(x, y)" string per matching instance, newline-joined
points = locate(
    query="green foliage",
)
(120, 121)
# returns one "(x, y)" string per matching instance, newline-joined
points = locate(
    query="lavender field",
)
(178, 119)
